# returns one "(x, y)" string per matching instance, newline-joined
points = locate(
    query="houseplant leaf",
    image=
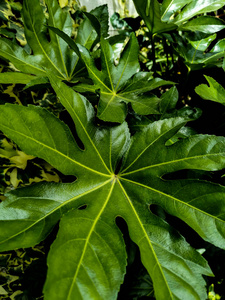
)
(176, 18)
(54, 54)
(88, 258)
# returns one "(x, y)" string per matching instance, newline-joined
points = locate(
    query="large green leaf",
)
(88, 258)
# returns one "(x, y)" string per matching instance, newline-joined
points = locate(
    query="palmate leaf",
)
(88, 258)
(121, 84)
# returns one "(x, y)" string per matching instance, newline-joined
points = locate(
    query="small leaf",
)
(37, 82)
(194, 50)
(145, 105)
(170, 7)
(168, 100)
(214, 92)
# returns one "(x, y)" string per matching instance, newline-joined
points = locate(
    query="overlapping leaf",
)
(176, 14)
(120, 84)
(196, 52)
(88, 258)
(48, 50)
(47, 54)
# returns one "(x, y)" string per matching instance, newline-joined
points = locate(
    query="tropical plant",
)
(89, 241)
(133, 161)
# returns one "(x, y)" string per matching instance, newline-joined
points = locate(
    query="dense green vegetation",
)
(112, 161)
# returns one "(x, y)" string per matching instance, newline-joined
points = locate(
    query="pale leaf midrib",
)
(56, 151)
(98, 79)
(125, 66)
(55, 209)
(196, 49)
(23, 62)
(74, 67)
(173, 198)
(88, 238)
(166, 10)
(134, 101)
(185, 282)
(145, 149)
(139, 90)
(146, 237)
(174, 162)
(83, 127)
(108, 71)
(40, 45)
(108, 104)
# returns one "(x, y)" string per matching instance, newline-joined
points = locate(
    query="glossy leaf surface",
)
(204, 24)
(120, 84)
(88, 258)
(172, 14)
